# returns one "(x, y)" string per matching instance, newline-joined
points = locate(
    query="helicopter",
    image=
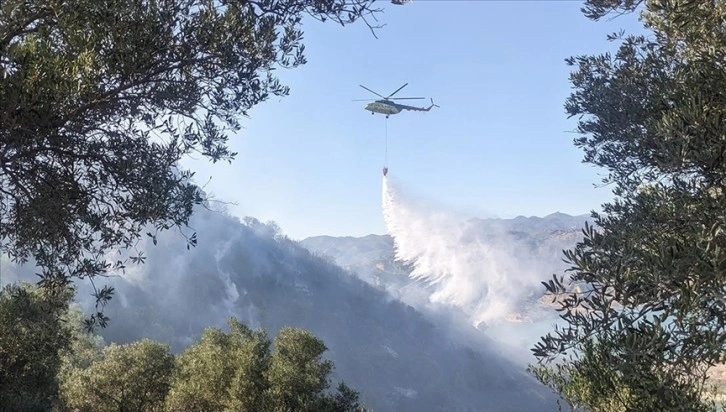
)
(401, 2)
(388, 107)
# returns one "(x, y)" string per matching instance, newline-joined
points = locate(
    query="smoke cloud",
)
(398, 358)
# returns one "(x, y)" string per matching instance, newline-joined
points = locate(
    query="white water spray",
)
(486, 275)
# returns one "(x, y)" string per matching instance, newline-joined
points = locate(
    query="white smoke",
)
(488, 276)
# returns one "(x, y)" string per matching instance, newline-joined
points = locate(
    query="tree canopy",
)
(99, 100)
(49, 362)
(33, 337)
(643, 306)
(242, 371)
(131, 377)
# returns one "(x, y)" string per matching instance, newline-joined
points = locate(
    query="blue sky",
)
(498, 146)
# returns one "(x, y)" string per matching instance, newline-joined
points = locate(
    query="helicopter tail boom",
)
(421, 109)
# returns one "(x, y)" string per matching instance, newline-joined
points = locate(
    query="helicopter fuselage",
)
(384, 107)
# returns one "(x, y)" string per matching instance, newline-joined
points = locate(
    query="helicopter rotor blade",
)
(397, 90)
(407, 98)
(370, 90)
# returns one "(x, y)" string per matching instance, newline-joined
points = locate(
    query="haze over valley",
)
(391, 332)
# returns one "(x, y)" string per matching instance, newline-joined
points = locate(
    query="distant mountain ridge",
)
(372, 257)
(350, 252)
(553, 222)
(536, 227)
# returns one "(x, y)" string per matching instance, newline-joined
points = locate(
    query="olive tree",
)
(100, 99)
(244, 371)
(643, 306)
(131, 377)
(33, 341)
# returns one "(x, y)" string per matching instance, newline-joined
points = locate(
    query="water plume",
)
(486, 274)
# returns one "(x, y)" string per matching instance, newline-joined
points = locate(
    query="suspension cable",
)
(385, 158)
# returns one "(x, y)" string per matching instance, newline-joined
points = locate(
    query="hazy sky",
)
(498, 146)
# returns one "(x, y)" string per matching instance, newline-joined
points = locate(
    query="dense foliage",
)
(131, 377)
(32, 339)
(239, 371)
(643, 307)
(99, 100)
(49, 363)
